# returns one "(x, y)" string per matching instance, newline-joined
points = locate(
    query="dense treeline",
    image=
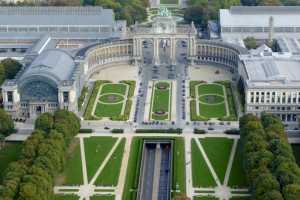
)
(270, 2)
(200, 11)
(129, 10)
(268, 159)
(42, 157)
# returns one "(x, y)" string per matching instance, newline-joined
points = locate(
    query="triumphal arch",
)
(164, 32)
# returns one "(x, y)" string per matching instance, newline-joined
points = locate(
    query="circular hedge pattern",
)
(160, 112)
(111, 98)
(162, 86)
(211, 99)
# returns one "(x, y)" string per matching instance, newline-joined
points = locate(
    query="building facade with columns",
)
(272, 84)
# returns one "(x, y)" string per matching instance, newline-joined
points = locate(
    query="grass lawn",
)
(113, 88)
(160, 102)
(205, 198)
(73, 170)
(210, 89)
(133, 170)
(200, 171)
(89, 109)
(237, 174)
(296, 150)
(96, 149)
(211, 105)
(102, 197)
(169, 2)
(108, 110)
(66, 197)
(8, 154)
(212, 111)
(178, 165)
(240, 198)
(218, 152)
(110, 174)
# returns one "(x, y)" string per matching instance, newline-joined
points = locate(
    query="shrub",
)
(6, 123)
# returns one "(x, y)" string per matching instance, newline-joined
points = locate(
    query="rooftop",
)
(272, 70)
(56, 16)
(259, 16)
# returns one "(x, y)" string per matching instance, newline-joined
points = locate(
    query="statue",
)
(164, 12)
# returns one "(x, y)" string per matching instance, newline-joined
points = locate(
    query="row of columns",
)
(137, 49)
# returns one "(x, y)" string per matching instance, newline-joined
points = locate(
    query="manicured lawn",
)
(169, 2)
(212, 111)
(112, 94)
(73, 170)
(108, 110)
(205, 198)
(110, 174)
(210, 89)
(237, 175)
(296, 150)
(239, 198)
(89, 109)
(96, 149)
(8, 154)
(211, 99)
(218, 152)
(113, 88)
(160, 102)
(133, 170)
(66, 197)
(179, 165)
(102, 197)
(201, 175)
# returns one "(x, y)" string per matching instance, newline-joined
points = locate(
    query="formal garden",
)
(110, 100)
(212, 100)
(217, 169)
(161, 98)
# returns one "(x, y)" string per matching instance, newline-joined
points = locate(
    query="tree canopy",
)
(6, 123)
(269, 162)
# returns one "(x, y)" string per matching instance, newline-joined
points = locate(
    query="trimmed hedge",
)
(171, 130)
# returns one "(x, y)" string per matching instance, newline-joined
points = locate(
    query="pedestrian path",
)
(88, 188)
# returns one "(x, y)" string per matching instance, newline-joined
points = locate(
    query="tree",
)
(11, 67)
(44, 122)
(273, 194)
(265, 183)
(269, 3)
(291, 192)
(250, 43)
(2, 74)
(6, 123)
(199, 14)
(2, 140)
